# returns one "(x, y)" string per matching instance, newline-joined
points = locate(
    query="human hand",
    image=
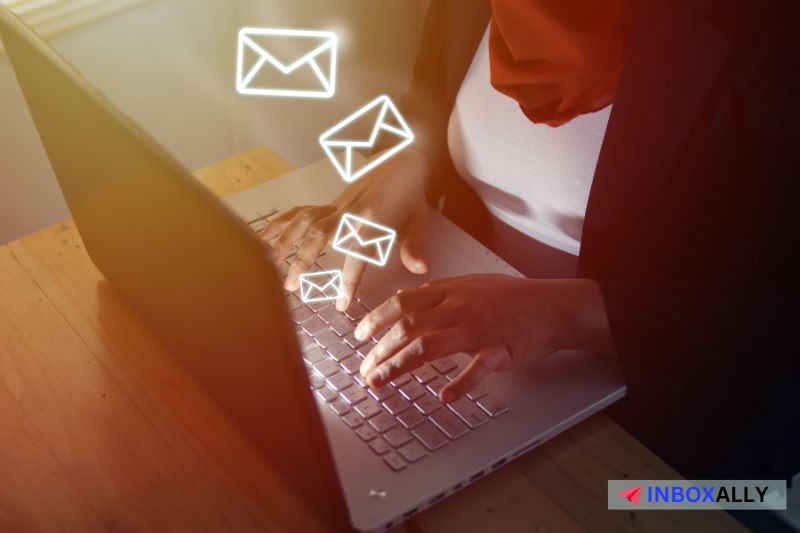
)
(393, 195)
(505, 321)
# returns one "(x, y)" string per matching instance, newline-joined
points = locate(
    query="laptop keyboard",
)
(402, 421)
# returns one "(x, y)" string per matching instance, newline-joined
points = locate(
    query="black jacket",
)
(689, 229)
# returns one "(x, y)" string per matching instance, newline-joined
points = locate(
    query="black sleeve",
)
(699, 268)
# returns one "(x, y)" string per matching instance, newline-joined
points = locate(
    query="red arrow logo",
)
(632, 494)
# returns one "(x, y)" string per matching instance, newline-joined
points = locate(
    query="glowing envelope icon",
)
(380, 116)
(632, 494)
(321, 286)
(361, 238)
(284, 62)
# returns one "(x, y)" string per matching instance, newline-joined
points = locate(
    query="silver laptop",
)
(285, 372)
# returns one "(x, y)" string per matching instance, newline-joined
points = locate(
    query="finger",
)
(404, 301)
(404, 331)
(315, 240)
(276, 225)
(296, 229)
(413, 238)
(484, 363)
(352, 271)
(423, 348)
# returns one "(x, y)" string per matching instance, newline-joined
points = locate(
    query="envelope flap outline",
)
(348, 220)
(333, 279)
(245, 34)
(347, 232)
(388, 107)
(245, 75)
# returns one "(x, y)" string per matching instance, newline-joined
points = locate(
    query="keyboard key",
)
(425, 373)
(366, 433)
(340, 351)
(351, 364)
(326, 338)
(318, 306)
(412, 390)
(397, 436)
(329, 314)
(343, 327)
(305, 342)
(316, 381)
(353, 395)
(340, 381)
(411, 418)
(353, 420)
(381, 393)
(357, 311)
(471, 414)
(258, 225)
(368, 408)
(301, 314)
(368, 299)
(313, 326)
(477, 393)
(492, 406)
(365, 348)
(283, 269)
(443, 365)
(413, 451)
(293, 301)
(430, 436)
(449, 423)
(351, 341)
(326, 368)
(437, 384)
(394, 461)
(379, 445)
(461, 360)
(339, 407)
(428, 404)
(361, 380)
(326, 394)
(314, 355)
(396, 405)
(382, 422)
(400, 381)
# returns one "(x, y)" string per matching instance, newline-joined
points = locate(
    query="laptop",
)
(287, 373)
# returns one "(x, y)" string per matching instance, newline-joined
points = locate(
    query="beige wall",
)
(170, 65)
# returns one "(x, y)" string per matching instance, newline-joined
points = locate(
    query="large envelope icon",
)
(364, 239)
(321, 286)
(284, 62)
(389, 123)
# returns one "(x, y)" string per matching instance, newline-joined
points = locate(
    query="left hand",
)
(505, 321)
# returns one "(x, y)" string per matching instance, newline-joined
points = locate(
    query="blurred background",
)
(170, 65)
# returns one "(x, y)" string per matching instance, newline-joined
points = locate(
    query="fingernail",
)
(359, 333)
(289, 283)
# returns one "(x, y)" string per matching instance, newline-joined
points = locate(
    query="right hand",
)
(393, 194)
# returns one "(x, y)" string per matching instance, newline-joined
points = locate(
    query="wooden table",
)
(101, 429)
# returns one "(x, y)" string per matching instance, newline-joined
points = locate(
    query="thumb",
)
(413, 239)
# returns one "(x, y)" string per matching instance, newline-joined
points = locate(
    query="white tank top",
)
(533, 177)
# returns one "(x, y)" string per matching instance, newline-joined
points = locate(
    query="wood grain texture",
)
(103, 430)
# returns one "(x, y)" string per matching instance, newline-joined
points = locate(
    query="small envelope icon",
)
(388, 122)
(364, 239)
(284, 62)
(321, 286)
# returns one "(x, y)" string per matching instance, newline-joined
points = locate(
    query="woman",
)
(685, 269)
